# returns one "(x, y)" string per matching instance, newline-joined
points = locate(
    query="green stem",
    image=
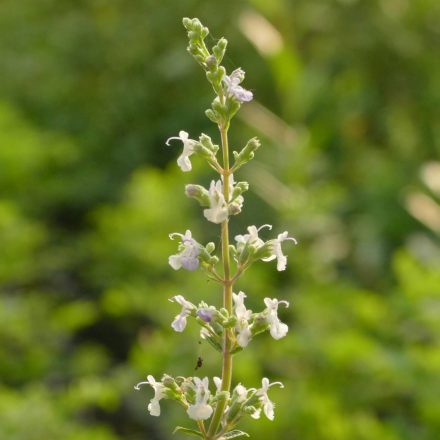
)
(201, 426)
(227, 294)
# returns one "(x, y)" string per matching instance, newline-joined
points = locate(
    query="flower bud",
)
(205, 314)
(218, 107)
(238, 398)
(199, 193)
(189, 391)
(213, 116)
(169, 382)
(213, 260)
(211, 63)
(221, 395)
(206, 141)
(210, 247)
(196, 25)
(193, 48)
(224, 313)
(239, 188)
(234, 207)
(259, 324)
(215, 78)
(203, 151)
(265, 251)
(187, 23)
(232, 107)
(247, 153)
(229, 323)
(219, 49)
(204, 32)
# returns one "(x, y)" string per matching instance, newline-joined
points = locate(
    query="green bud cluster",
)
(196, 35)
(209, 61)
(246, 154)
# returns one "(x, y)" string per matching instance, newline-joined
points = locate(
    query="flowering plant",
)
(228, 329)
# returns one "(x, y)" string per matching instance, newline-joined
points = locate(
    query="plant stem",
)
(227, 293)
(201, 426)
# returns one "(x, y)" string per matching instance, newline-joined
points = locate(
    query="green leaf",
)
(233, 434)
(188, 431)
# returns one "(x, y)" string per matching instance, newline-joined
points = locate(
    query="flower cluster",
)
(194, 394)
(243, 322)
(250, 247)
(191, 255)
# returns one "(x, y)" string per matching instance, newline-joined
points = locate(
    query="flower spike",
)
(229, 327)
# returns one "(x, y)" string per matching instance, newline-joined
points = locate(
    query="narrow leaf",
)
(188, 431)
(233, 434)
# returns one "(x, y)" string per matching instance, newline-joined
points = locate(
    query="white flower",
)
(159, 389)
(218, 383)
(189, 251)
(251, 239)
(242, 393)
(179, 322)
(268, 405)
(243, 315)
(218, 210)
(188, 149)
(234, 89)
(277, 251)
(200, 410)
(277, 329)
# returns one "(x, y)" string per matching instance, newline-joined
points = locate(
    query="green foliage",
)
(347, 110)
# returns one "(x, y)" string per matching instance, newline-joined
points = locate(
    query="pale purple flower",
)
(188, 149)
(188, 254)
(277, 329)
(277, 251)
(205, 314)
(159, 388)
(218, 208)
(200, 410)
(179, 322)
(233, 86)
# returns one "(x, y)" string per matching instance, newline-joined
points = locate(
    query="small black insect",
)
(199, 363)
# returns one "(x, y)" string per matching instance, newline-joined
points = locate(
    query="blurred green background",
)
(347, 96)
